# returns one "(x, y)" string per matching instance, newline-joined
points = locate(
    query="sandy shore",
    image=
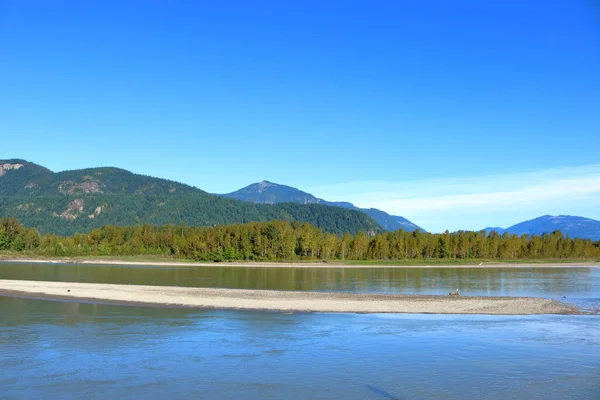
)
(253, 264)
(281, 300)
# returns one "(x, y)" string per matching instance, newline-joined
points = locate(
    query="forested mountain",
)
(80, 200)
(574, 227)
(272, 193)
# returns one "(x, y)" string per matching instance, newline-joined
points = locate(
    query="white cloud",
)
(468, 202)
(562, 190)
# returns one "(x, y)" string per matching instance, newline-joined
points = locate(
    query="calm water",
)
(576, 285)
(69, 350)
(66, 350)
(547, 282)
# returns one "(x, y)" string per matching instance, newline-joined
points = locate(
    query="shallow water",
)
(580, 286)
(67, 350)
(555, 281)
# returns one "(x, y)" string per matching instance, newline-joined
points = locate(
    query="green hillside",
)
(82, 200)
(273, 193)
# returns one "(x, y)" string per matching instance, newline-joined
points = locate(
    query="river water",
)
(71, 350)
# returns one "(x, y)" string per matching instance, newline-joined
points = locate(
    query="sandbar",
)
(287, 301)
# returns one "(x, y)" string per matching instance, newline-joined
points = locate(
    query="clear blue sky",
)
(409, 105)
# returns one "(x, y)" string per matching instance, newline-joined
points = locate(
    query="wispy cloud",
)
(449, 201)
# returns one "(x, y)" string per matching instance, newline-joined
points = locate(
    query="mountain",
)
(273, 193)
(81, 200)
(572, 226)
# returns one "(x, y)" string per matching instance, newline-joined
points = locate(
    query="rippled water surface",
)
(70, 350)
(67, 350)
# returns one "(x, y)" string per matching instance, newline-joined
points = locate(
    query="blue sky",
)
(439, 111)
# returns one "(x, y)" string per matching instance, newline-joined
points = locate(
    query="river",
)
(72, 350)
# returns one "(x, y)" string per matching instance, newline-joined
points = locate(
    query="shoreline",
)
(286, 301)
(291, 264)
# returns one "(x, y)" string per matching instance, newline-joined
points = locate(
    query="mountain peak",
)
(262, 185)
(271, 193)
(17, 164)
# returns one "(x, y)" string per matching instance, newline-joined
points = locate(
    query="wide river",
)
(71, 350)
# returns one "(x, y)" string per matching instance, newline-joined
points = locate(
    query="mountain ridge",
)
(274, 193)
(80, 200)
(569, 225)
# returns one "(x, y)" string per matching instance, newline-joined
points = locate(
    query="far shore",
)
(300, 264)
(285, 301)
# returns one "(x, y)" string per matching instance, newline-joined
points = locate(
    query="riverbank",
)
(303, 264)
(289, 301)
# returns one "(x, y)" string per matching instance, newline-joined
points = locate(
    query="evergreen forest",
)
(287, 241)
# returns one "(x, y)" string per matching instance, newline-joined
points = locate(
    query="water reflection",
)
(547, 282)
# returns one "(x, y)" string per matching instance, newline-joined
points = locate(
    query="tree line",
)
(282, 240)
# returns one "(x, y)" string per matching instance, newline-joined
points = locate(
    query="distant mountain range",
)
(80, 200)
(273, 193)
(574, 227)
